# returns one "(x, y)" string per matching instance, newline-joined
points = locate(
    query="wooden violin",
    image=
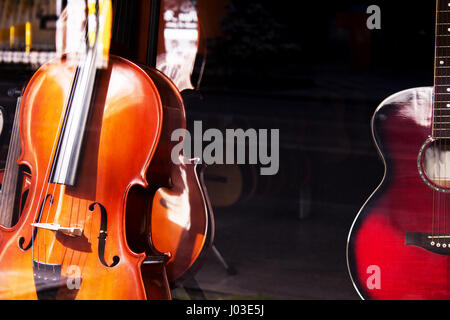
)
(15, 182)
(178, 215)
(88, 136)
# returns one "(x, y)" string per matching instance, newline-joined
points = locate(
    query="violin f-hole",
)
(102, 235)
(35, 230)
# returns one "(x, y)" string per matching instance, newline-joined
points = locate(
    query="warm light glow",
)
(92, 22)
(28, 37)
(11, 36)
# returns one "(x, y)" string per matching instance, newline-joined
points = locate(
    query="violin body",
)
(177, 222)
(389, 255)
(123, 129)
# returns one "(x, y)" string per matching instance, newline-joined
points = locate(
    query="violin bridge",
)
(71, 231)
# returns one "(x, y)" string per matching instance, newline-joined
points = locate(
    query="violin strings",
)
(69, 127)
(47, 171)
(9, 176)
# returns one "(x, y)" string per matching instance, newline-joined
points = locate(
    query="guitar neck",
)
(441, 108)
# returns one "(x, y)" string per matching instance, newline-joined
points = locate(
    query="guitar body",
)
(389, 254)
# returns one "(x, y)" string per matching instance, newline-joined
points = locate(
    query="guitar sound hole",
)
(436, 163)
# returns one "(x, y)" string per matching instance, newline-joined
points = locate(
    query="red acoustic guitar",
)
(399, 245)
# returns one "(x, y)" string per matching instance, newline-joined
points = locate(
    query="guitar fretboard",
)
(441, 108)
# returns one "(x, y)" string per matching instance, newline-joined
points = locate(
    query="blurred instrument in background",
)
(15, 182)
(179, 36)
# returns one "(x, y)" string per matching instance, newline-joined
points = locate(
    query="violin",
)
(89, 127)
(179, 222)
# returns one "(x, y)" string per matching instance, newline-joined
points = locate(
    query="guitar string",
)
(441, 134)
(441, 42)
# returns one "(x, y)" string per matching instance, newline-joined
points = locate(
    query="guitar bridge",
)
(439, 244)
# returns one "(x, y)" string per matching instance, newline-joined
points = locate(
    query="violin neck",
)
(73, 124)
